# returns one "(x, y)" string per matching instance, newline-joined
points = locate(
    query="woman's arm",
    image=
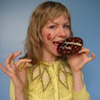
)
(79, 88)
(78, 81)
(18, 77)
(77, 62)
(19, 95)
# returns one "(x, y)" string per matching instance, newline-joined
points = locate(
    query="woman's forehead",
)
(60, 18)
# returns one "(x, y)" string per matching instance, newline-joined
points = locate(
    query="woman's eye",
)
(66, 26)
(52, 27)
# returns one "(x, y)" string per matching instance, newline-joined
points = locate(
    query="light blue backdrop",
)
(85, 14)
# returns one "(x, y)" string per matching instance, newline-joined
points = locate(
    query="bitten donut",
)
(70, 46)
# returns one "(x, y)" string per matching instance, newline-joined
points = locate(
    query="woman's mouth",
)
(56, 43)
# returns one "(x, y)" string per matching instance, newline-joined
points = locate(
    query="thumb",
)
(24, 68)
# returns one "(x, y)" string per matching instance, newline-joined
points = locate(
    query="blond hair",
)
(46, 11)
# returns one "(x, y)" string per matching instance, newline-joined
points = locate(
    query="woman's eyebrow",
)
(63, 23)
(52, 22)
(66, 23)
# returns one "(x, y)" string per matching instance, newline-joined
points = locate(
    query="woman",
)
(44, 74)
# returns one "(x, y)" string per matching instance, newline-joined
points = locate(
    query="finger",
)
(84, 50)
(92, 56)
(24, 67)
(22, 61)
(12, 61)
(83, 46)
(4, 70)
(17, 54)
(8, 62)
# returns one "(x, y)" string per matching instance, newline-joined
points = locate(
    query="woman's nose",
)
(62, 32)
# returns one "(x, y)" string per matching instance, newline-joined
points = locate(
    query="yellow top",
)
(50, 81)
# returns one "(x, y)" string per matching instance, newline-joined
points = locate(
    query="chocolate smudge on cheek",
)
(49, 36)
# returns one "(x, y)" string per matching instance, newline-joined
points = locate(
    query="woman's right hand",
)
(18, 77)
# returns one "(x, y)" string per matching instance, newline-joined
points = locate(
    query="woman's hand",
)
(18, 77)
(77, 61)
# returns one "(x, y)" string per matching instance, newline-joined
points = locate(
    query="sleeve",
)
(83, 94)
(12, 94)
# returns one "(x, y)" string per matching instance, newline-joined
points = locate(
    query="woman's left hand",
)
(78, 60)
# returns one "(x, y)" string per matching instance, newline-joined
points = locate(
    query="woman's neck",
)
(49, 58)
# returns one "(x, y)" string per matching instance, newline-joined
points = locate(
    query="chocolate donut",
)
(70, 46)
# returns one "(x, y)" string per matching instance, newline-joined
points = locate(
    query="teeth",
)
(57, 43)
(61, 42)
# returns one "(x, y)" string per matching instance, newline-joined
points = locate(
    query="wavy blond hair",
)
(44, 12)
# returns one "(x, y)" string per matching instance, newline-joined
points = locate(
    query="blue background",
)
(14, 20)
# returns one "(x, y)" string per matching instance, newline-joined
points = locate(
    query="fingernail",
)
(0, 65)
(24, 67)
(11, 53)
(19, 51)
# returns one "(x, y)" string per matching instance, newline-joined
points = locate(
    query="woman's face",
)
(53, 33)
